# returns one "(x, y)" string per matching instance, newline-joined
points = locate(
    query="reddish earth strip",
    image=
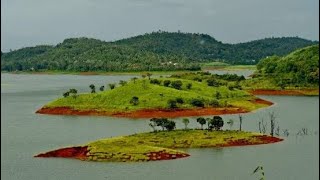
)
(70, 152)
(149, 113)
(243, 142)
(162, 155)
(284, 92)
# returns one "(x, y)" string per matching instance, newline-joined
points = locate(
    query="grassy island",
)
(190, 94)
(161, 145)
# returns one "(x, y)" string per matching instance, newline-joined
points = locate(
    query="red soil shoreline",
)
(69, 152)
(288, 92)
(149, 113)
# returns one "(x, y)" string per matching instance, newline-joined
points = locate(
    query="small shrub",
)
(66, 94)
(134, 100)
(214, 103)
(197, 79)
(189, 85)
(166, 83)
(155, 81)
(212, 82)
(177, 84)
(122, 82)
(197, 102)
(179, 100)
(112, 86)
(172, 103)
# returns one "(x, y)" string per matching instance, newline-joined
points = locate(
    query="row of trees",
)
(215, 123)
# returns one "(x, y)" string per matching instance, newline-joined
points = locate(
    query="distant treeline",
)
(157, 51)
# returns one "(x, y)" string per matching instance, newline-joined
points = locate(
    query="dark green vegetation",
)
(298, 69)
(157, 51)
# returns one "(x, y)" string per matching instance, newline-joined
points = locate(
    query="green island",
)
(187, 94)
(161, 144)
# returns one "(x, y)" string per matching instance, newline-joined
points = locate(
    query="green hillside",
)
(157, 51)
(298, 69)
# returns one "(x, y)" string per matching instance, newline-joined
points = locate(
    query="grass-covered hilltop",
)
(189, 94)
(296, 73)
(159, 145)
(157, 51)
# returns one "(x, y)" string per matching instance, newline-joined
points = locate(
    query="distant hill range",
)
(156, 51)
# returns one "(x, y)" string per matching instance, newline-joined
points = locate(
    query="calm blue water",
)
(24, 134)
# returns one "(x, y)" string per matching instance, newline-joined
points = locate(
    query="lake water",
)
(25, 134)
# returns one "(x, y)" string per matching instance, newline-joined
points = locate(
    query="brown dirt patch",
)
(70, 152)
(162, 155)
(244, 142)
(262, 101)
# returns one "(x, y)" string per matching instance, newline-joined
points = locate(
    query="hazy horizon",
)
(28, 23)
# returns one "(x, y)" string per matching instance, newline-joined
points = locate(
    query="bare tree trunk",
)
(272, 121)
(240, 118)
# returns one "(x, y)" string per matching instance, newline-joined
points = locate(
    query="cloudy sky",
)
(33, 22)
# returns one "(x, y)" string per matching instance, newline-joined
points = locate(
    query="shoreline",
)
(286, 92)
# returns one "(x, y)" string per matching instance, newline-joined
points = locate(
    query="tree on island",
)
(66, 94)
(201, 121)
(153, 124)
(177, 84)
(170, 125)
(112, 86)
(149, 75)
(166, 83)
(134, 100)
(186, 122)
(216, 123)
(122, 82)
(159, 122)
(240, 119)
(93, 88)
(172, 103)
(189, 85)
(208, 122)
(73, 92)
(134, 79)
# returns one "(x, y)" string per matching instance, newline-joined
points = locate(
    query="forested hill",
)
(202, 47)
(151, 51)
(300, 67)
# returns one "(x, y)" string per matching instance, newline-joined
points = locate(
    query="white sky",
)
(34, 22)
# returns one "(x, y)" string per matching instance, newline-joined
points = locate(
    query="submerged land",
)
(155, 146)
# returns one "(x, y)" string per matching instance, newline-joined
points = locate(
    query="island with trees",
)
(188, 94)
(163, 143)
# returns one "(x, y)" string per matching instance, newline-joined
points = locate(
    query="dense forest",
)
(300, 67)
(157, 51)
